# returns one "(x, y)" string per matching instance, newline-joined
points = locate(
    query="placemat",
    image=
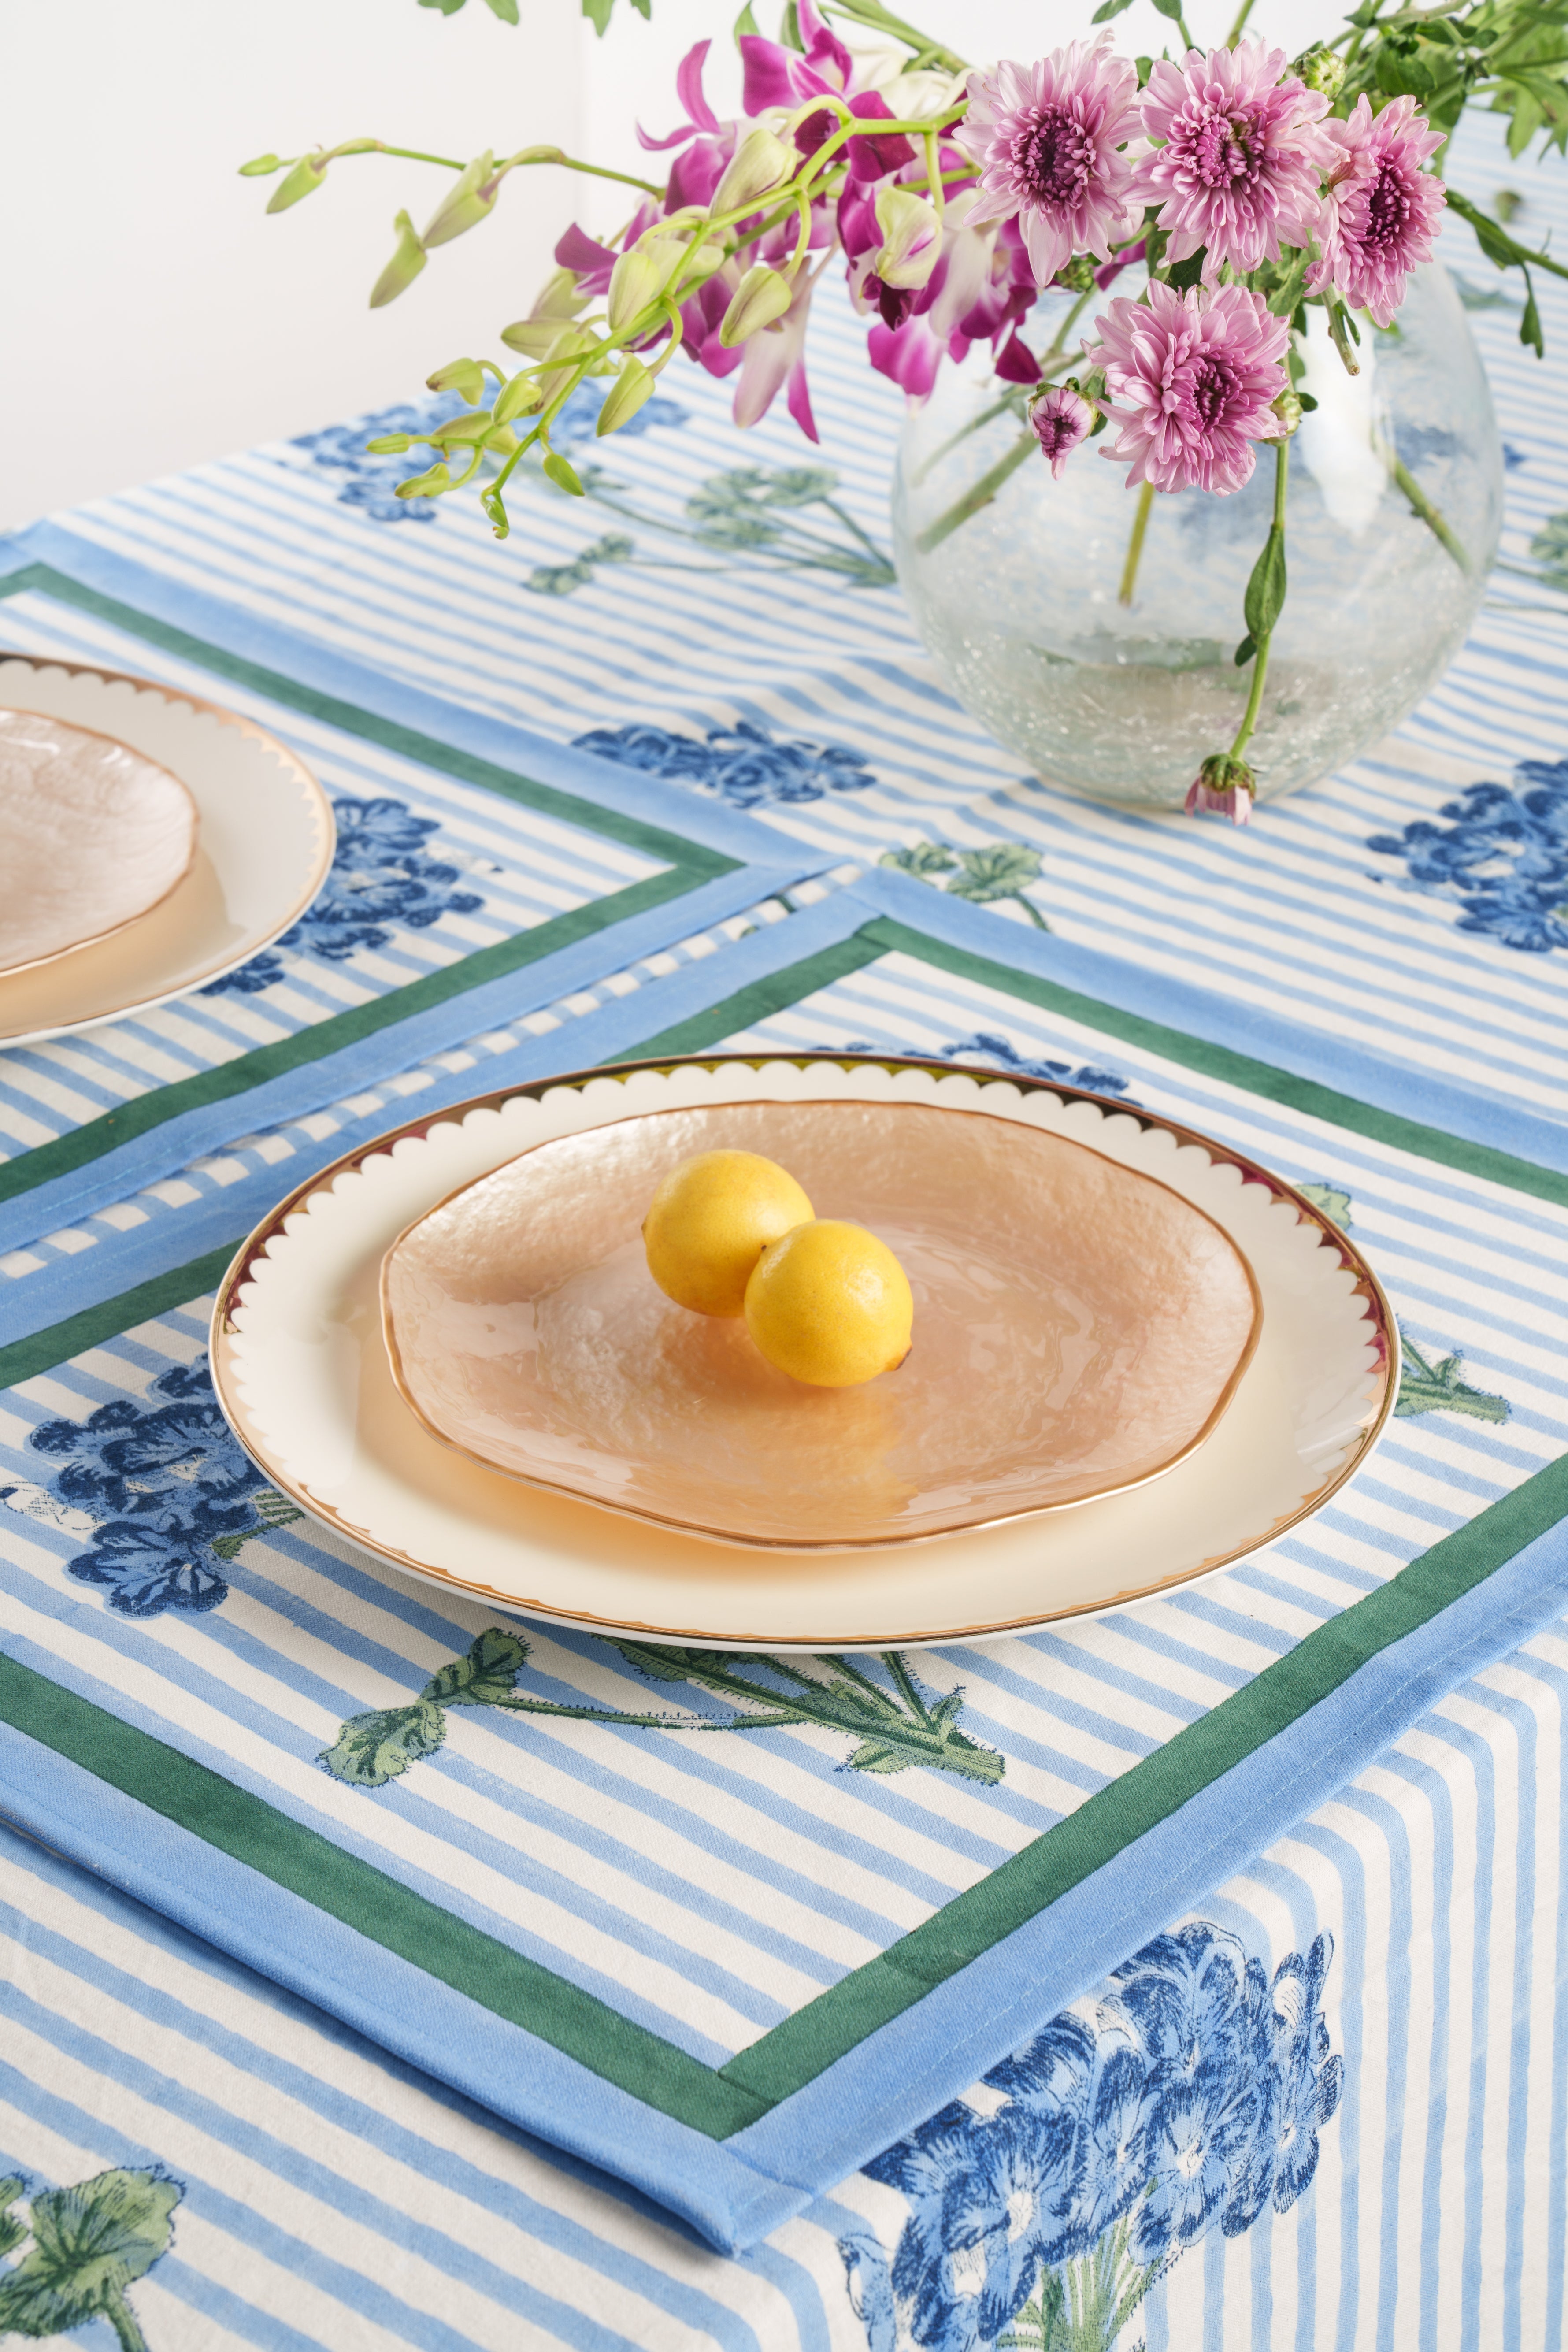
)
(731, 1968)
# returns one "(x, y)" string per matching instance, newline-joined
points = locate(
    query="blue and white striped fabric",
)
(330, 2199)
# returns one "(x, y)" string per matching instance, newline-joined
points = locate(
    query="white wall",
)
(151, 314)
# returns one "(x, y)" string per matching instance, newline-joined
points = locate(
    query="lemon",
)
(711, 1220)
(830, 1304)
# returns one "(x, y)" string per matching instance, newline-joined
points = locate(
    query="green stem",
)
(1181, 28)
(1421, 505)
(872, 12)
(1236, 30)
(1260, 665)
(981, 494)
(123, 2319)
(1032, 912)
(1135, 544)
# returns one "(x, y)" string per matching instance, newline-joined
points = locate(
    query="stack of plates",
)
(153, 842)
(1137, 1357)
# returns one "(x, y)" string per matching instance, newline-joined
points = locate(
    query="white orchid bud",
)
(640, 277)
(761, 296)
(402, 269)
(912, 237)
(759, 164)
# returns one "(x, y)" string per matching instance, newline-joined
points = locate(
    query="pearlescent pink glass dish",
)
(1079, 1330)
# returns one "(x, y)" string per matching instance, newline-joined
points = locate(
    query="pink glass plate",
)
(1079, 1329)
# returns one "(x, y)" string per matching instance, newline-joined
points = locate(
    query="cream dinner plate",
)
(263, 845)
(304, 1373)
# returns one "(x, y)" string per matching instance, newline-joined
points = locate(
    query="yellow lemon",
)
(711, 1220)
(830, 1304)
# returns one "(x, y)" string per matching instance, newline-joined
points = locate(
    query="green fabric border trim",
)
(226, 1080)
(632, 832)
(291, 1855)
(688, 865)
(762, 997)
(1216, 1061)
(40, 1351)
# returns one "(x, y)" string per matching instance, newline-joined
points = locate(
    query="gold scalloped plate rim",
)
(229, 961)
(1377, 1311)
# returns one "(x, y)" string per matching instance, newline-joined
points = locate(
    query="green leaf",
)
(1330, 1199)
(660, 1664)
(89, 2243)
(1530, 331)
(230, 1546)
(1108, 9)
(873, 1756)
(745, 23)
(598, 13)
(1265, 598)
(1183, 274)
(924, 860)
(12, 2231)
(1170, 8)
(447, 8)
(260, 166)
(1244, 653)
(1428, 1387)
(485, 1673)
(998, 873)
(505, 9)
(372, 1749)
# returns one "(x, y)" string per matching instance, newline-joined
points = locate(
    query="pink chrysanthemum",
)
(1045, 138)
(1243, 157)
(1224, 786)
(1061, 418)
(1193, 378)
(1382, 210)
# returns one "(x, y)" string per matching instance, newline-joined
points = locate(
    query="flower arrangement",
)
(1240, 189)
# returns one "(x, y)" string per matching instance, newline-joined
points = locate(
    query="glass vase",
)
(1117, 684)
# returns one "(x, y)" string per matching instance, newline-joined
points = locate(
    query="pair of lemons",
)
(732, 1233)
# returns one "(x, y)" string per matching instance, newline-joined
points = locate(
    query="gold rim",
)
(850, 1543)
(1383, 1337)
(288, 760)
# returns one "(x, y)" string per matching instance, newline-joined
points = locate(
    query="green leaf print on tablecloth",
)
(892, 1729)
(89, 2243)
(981, 875)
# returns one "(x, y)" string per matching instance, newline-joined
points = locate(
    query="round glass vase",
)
(1024, 606)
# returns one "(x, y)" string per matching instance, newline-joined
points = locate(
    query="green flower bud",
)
(559, 297)
(631, 387)
(1321, 69)
(426, 486)
(469, 200)
(303, 181)
(760, 163)
(1289, 410)
(389, 445)
(462, 432)
(402, 269)
(912, 237)
(560, 472)
(761, 296)
(521, 397)
(1076, 275)
(465, 377)
(640, 277)
(260, 166)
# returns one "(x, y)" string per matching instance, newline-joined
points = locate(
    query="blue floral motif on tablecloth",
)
(370, 483)
(169, 1491)
(744, 764)
(381, 876)
(1191, 2097)
(1503, 855)
(986, 1046)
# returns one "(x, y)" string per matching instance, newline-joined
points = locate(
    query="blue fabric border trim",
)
(164, 1149)
(498, 2065)
(234, 631)
(65, 1285)
(1477, 1116)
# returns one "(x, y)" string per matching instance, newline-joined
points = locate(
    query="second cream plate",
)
(303, 1374)
(264, 845)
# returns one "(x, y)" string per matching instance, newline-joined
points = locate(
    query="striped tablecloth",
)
(1215, 1998)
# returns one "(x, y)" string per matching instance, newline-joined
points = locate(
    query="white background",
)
(151, 315)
